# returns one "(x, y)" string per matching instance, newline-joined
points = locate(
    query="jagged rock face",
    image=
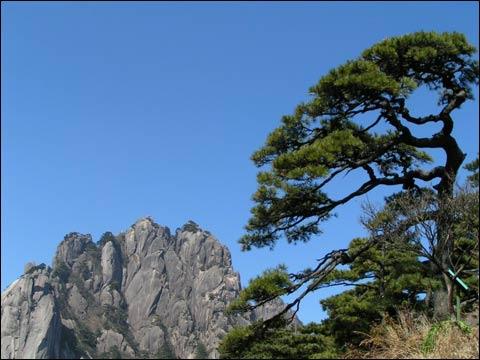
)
(31, 323)
(143, 293)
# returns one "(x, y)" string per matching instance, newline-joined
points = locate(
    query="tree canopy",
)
(307, 342)
(387, 274)
(359, 122)
(329, 136)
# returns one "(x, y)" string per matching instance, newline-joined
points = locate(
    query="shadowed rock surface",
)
(143, 293)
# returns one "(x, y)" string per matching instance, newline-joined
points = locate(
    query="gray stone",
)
(30, 319)
(111, 264)
(135, 293)
(110, 339)
(71, 248)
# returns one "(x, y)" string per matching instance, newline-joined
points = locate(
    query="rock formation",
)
(144, 293)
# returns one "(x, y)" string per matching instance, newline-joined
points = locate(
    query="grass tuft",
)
(413, 336)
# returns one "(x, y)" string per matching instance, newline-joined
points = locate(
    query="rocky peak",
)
(72, 246)
(136, 294)
(30, 321)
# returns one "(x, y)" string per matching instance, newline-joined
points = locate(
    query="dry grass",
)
(418, 338)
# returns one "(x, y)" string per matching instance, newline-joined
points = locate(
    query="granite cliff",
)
(144, 293)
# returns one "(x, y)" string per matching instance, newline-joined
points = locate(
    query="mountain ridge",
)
(142, 293)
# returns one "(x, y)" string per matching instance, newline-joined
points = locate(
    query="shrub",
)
(112, 353)
(62, 271)
(201, 351)
(166, 351)
(106, 237)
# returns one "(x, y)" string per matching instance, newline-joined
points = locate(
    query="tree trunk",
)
(440, 305)
(445, 240)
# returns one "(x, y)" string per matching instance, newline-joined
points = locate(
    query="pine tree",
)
(385, 278)
(308, 342)
(106, 237)
(389, 271)
(473, 167)
(327, 138)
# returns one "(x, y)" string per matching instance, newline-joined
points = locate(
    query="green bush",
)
(112, 353)
(251, 342)
(166, 351)
(62, 271)
(201, 351)
(106, 237)
(190, 226)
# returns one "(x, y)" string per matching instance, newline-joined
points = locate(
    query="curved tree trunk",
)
(443, 301)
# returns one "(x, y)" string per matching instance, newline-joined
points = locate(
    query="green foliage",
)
(85, 336)
(325, 137)
(166, 351)
(80, 341)
(282, 342)
(385, 277)
(464, 327)
(392, 274)
(78, 279)
(116, 319)
(62, 271)
(106, 237)
(112, 353)
(430, 340)
(94, 254)
(190, 226)
(82, 271)
(465, 252)
(387, 274)
(236, 341)
(272, 283)
(473, 167)
(31, 267)
(201, 351)
(436, 329)
(68, 340)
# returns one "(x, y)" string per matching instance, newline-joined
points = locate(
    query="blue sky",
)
(115, 111)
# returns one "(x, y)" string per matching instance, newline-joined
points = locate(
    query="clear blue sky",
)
(116, 111)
